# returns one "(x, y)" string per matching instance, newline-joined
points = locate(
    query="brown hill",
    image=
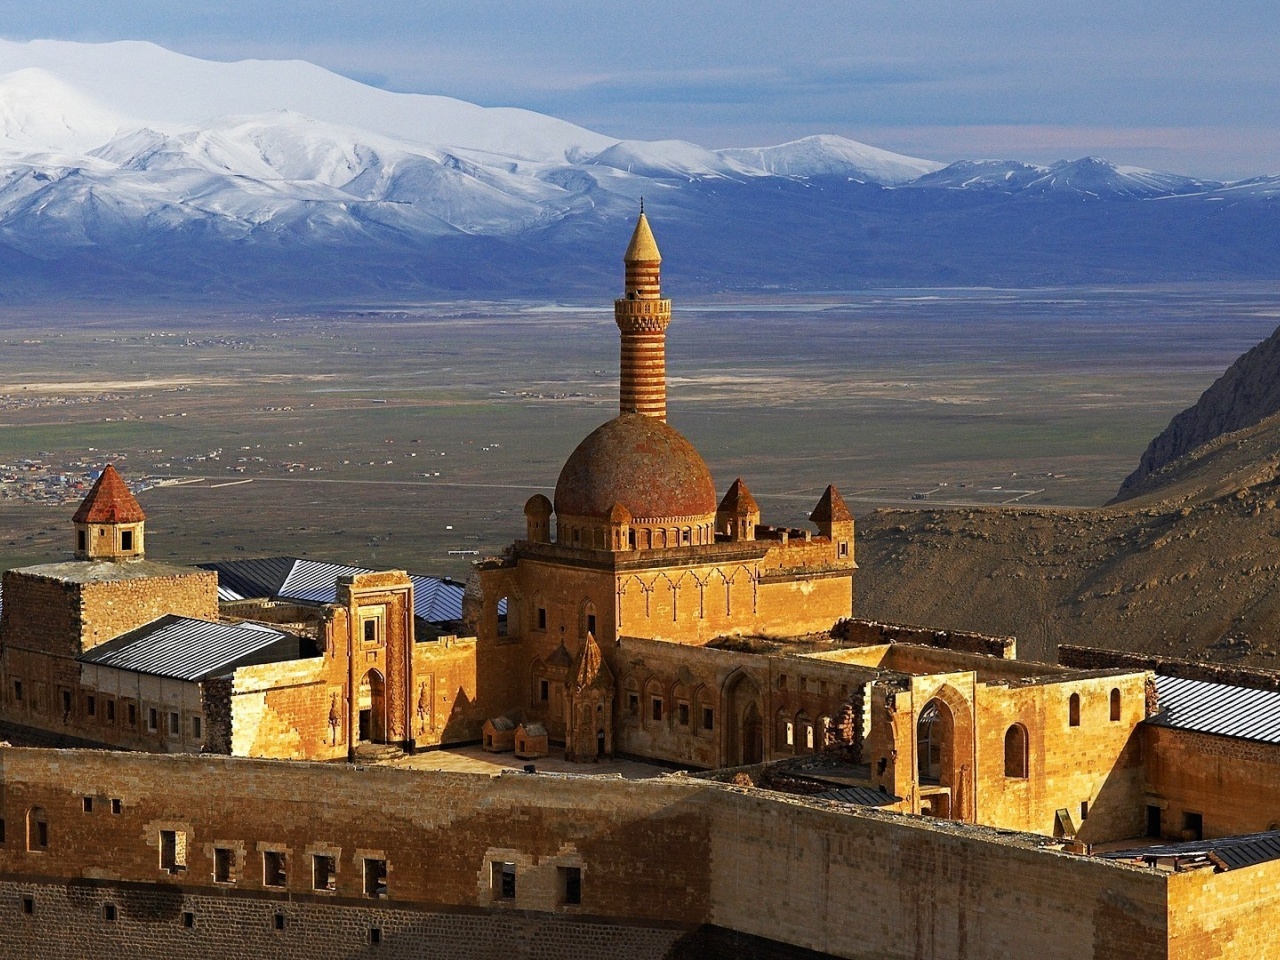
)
(1246, 394)
(1188, 564)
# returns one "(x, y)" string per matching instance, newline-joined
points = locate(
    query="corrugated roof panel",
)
(316, 581)
(435, 599)
(1219, 708)
(862, 796)
(252, 578)
(1245, 850)
(182, 648)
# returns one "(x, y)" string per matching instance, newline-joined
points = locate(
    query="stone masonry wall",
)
(113, 607)
(665, 865)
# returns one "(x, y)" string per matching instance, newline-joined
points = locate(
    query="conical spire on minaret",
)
(642, 316)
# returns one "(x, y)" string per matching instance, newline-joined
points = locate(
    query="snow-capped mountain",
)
(127, 168)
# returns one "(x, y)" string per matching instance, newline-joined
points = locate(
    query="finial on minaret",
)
(642, 316)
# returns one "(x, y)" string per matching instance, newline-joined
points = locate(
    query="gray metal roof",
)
(862, 796)
(1218, 708)
(1228, 853)
(187, 649)
(435, 599)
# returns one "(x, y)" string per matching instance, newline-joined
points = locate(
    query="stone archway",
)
(944, 756)
(743, 722)
(371, 704)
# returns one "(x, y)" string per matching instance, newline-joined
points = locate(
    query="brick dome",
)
(640, 463)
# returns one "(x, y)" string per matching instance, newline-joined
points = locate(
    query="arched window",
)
(1115, 704)
(786, 733)
(37, 829)
(1073, 710)
(804, 732)
(1015, 751)
(504, 615)
(587, 624)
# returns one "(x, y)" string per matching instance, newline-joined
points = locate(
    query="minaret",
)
(642, 316)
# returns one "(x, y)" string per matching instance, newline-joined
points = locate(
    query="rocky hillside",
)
(1247, 393)
(1185, 562)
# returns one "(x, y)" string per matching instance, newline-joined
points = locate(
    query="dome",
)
(640, 463)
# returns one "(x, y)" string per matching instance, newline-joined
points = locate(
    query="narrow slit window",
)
(570, 885)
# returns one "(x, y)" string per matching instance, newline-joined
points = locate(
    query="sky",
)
(1182, 86)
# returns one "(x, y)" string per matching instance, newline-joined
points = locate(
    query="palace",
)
(845, 788)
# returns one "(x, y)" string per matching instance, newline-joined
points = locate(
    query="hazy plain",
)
(392, 436)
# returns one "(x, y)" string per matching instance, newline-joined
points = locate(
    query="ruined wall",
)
(668, 867)
(1093, 770)
(642, 847)
(1230, 914)
(801, 692)
(461, 683)
(871, 632)
(877, 886)
(1095, 658)
(1233, 784)
(281, 710)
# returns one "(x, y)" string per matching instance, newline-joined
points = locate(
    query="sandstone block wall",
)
(113, 607)
(664, 865)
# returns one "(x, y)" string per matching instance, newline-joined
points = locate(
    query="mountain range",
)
(130, 171)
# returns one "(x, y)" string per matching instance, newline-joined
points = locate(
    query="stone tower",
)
(642, 316)
(110, 522)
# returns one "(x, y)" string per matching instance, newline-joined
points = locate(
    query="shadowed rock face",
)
(1246, 394)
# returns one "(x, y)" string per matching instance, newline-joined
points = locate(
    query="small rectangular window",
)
(188, 919)
(280, 921)
(655, 706)
(633, 704)
(153, 719)
(111, 711)
(1, 830)
(682, 714)
(29, 906)
(197, 728)
(109, 912)
(371, 631)
(133, 715)
(542, 618)
(273, 868)
(324, 872)
(1192, 826)
(844, 549)
(570, 885)
(80, 541)
(117, 805)
(708, 718)
(173, 850)
(126, 539)
(224, 861)
(1084, 809)
(66, 701)
(544, 691)
(91, 706)
(175, 724)
(375, 877)
(375, 936)
(591, 624)
(87, 804)
(17, 690)
(502, 879)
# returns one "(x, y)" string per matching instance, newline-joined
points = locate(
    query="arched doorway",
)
(372, 704)
(743, 722)
(752, 736)
(944, 756)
